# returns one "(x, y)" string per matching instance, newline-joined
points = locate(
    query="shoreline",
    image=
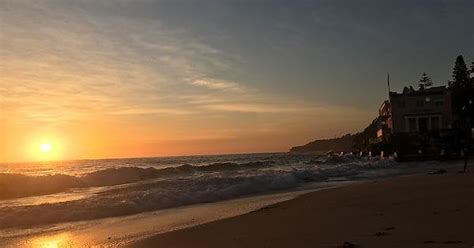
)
(418, 210)
(123, 230)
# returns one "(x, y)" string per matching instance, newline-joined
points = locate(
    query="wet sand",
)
(410, 211)
(122, 230)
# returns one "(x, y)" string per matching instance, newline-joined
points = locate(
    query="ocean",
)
(50, 196)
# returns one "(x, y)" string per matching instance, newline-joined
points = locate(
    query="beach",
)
(423, 210)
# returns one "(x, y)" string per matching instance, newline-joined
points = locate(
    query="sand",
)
(409, 211)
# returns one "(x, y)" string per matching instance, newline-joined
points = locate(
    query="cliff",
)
(349, 142)
(344, 143)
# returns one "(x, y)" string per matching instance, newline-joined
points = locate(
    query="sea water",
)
(158, 194)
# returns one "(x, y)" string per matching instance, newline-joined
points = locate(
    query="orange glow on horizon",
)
(115, 138)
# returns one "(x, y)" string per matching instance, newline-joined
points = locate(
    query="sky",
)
(123, 78)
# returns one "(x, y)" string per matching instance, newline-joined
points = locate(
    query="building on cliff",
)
(415, 111)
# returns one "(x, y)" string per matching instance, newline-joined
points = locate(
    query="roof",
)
(438, 90)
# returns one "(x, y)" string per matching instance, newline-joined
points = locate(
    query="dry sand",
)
(410, 211)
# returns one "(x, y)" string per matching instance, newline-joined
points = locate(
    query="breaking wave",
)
(195, 184)
(18, 185)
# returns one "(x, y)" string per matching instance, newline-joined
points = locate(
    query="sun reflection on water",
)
(53, 241)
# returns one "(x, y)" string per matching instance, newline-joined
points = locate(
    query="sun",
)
(45, 147)
(47, 150)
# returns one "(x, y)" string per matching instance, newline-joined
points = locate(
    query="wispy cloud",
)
(218, 85)
(66, 61)
(252, 108)
(151, 111)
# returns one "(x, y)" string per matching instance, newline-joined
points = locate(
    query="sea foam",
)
(154, 189)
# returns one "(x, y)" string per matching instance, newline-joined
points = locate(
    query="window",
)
(401, 104)
(439, 103)
(420, 103)
(411, 124)
(435, 125)
(423, 124)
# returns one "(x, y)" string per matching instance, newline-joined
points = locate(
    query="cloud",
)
(252, 108)
(67, 61)
(218, 85)
(151, 111)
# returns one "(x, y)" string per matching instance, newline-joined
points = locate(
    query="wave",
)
(177, 186)
(339, 159)
(18, 185)
(174, 192)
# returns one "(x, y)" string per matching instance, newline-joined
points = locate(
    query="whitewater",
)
(41, 195)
